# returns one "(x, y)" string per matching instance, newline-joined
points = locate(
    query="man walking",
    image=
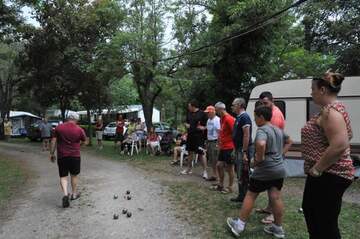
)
(213, 128)
(67, 139)
(45, 129)
(226, 146)
(243, 146)
(196, 125)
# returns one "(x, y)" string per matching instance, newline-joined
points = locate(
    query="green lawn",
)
(11, 176)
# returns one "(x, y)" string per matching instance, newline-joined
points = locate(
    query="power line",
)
(242, 32)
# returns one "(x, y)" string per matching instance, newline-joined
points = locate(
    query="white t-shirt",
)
(213, 126)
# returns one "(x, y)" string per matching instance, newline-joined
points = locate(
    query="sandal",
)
(75, 196)
(268, 220)
(226, 190)
(262, 210)
(217, 188)
(211, 179)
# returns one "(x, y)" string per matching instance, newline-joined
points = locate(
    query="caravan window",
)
(282, 106)
(312, 109)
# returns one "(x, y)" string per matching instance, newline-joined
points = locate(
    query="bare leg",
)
(203, 161)
(277, 205)
(231, 171)
(64, 185)
(74, 183)
(248, 205)
(220, 169)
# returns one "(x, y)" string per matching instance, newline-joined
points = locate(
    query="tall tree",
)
(140, 40)
(332, 27)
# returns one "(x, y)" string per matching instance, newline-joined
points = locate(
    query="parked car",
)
(34, 132)
(161, 128)
(110, 130)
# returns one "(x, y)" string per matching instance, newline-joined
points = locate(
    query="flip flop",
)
(75, 196)
(211, 179)
(268, 220)
(226, 190)
(262, 210)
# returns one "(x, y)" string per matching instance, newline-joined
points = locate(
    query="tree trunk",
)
(148, 111)
(89, 127)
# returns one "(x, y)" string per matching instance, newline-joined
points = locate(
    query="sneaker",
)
(65, 202)
(235, 225)
(186, 172)
(274, 230)
(205, 175)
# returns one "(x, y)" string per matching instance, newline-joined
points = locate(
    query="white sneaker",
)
(236, 226)
(205, 175)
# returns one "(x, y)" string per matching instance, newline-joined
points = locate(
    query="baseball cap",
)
(73, 116)
(210, 109)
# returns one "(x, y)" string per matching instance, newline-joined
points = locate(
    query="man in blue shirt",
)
(243, 146)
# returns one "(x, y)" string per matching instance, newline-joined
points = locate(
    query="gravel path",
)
(37, 211)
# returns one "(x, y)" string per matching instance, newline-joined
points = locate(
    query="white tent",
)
(20, 121)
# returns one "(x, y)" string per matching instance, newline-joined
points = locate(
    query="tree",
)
(140, 40)
(64, 55)
(10, 77)
(332, 27)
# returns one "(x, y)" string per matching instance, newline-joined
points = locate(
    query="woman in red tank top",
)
(326, 150)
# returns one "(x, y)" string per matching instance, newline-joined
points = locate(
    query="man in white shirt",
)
(213, 128)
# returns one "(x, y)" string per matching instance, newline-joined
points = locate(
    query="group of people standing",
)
(259, 163)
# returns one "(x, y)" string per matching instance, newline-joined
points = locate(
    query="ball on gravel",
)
(128, 214)
(116, 216)
(300, 210)
(116, 196)
(124, 211)
(128, 192)
(128, 197)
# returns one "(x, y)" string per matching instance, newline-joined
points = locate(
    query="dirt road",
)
(37, 213)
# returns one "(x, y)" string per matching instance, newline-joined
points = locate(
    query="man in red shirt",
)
(226, 147)
(67, 139)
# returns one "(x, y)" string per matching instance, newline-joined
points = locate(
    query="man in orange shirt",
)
(278, 120)
(226, 146)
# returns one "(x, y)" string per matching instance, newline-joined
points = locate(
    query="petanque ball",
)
(128, 192)
(116, 216)
(124, 211)
(128, 214)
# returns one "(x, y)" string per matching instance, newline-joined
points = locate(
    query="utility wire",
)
(242, 32)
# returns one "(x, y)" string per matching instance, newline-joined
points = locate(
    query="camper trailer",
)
(294, 100)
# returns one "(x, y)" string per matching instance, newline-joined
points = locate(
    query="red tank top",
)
(314, 143)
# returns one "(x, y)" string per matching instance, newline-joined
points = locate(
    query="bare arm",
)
(246, 137)
(287, 145)
(334, 127)
(52, 149)
(260, 146)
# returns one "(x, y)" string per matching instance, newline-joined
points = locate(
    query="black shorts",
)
(225, 156)
(69, 165)
(258, 186)
(194, 142)
(119, 137)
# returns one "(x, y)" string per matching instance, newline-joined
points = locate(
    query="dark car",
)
(161, 128)
(34, 132)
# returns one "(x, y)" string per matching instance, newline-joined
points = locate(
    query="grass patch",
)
(11, 176)
(209, 210)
